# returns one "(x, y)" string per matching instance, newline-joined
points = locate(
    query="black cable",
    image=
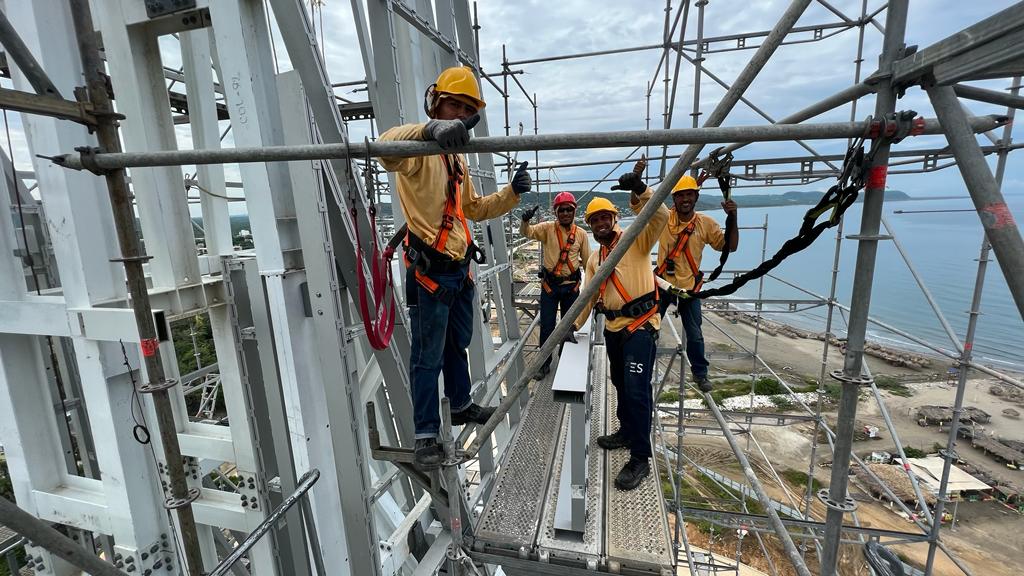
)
(141, 430)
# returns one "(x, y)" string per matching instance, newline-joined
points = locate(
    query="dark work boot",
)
(541, 372)
(613, 441)
(703, 383)
(474, 413)
(632, 474)
(428, 454)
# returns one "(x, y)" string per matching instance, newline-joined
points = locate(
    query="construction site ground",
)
(987, 535)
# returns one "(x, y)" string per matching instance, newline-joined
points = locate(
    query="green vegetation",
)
(782, 402)
(731, 387)
(668, 397)
(799, 478)
(912, 452)
(181, 333)
(893, 385)
(7, 491)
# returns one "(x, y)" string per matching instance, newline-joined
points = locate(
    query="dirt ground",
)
(987, 537)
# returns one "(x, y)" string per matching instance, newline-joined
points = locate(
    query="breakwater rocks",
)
(894, 356)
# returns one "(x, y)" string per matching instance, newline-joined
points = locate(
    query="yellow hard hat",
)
(687, 182)
(458, 81)
(599, 204)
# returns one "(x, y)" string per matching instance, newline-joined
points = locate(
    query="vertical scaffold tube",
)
(885, 103)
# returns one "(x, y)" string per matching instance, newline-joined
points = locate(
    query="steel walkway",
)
(624, 532)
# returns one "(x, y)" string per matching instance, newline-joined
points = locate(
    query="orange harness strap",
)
(563, 255)
(452, 212)
(626, 298)
(682, 245)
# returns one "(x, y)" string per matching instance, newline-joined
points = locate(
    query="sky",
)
(608, 93)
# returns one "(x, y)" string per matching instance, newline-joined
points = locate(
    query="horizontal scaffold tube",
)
(760, 133)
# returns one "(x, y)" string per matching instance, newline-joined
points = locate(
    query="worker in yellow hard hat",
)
(438, 198)
(566, 249)
(679, 254)
(628, 299)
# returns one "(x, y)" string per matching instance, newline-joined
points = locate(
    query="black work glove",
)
(521, 181)
(570, 337)
(451, 133)
(631, 181)
(528, 214)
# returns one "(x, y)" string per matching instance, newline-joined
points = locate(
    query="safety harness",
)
(640, 309)
(668, 267)
(549, 277)
(853, 177)
(715, 165)
(431, 258)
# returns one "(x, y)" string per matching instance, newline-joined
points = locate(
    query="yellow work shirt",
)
(633, 271)
(547, 234)
(423, 188)
(705, 232)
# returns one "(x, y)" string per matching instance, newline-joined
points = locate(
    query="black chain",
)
(843, 194)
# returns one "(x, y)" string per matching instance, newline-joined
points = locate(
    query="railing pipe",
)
(305, 483)
(492, 144)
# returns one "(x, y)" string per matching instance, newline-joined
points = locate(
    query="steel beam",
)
(997, 220)
(691, 136)
(911, 69)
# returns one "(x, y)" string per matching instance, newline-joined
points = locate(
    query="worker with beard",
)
(565, 251)
(679, 254)
(628, 299)
(437, 196)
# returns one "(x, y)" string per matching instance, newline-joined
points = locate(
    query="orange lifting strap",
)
(626, 298)
(682, 245)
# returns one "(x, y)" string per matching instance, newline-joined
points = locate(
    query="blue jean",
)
(689, 312)
(440, 333)
(561, 296)
(631, 363)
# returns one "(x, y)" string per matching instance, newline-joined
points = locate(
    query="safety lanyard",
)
(563, 254)
(682, 245)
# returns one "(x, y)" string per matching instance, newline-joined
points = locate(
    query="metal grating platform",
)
(636, 527)
(513, 511)
(589, 548)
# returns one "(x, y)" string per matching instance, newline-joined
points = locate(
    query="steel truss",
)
(295, 369)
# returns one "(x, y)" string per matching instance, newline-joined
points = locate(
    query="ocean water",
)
(942, 246)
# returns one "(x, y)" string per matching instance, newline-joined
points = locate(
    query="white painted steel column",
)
(306, 405)
(196, 57)
(82, 232)
(242, 52)
(134, 63)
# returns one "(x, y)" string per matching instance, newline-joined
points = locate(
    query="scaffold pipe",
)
(762, 496)
(103, 161)
(41, 534)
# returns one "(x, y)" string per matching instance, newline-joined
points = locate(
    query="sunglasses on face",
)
(566, 210)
